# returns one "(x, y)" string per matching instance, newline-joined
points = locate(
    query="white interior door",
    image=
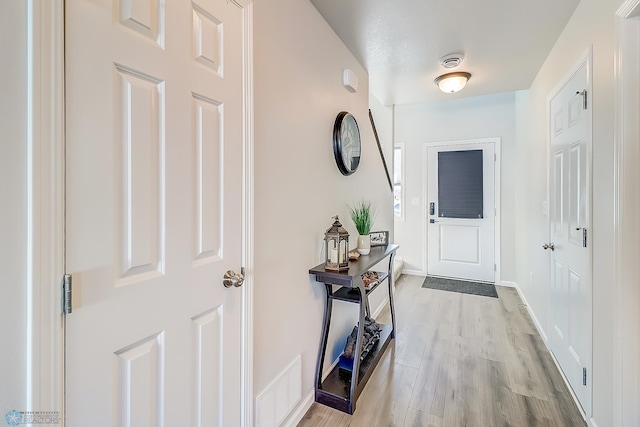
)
(154, 110)
(569, 207)
(461, 211)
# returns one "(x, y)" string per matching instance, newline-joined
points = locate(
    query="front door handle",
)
(548, 246)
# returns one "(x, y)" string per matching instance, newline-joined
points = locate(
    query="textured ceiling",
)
(505, 42)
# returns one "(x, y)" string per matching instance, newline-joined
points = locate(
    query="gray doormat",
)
(453, 285)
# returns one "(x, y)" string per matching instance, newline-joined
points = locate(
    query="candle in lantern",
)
(333, 255)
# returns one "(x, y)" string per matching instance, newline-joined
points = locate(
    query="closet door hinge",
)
(584, 376)
(67, 294)
(584, 98)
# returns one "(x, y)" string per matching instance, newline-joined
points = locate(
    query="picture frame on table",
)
(379, 238)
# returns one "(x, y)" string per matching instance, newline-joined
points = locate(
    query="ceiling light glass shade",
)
(452, 82)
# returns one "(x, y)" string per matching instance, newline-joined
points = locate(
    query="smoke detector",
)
(452, 60)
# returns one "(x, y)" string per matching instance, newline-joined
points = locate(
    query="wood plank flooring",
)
(459, 360)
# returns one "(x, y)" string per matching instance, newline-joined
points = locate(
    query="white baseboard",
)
(414, 272)
(374, 314)
(553, 357)
(566, 381)
(509, 284)
(327, 371)
(537, 324)
(381, 307)
(299, 412)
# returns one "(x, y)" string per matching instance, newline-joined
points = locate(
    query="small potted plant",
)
(363, 213)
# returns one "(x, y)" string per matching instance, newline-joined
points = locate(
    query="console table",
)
(334, 391)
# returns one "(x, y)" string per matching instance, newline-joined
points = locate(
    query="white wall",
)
(384, 121)
(468, 118)
(13, 208)
(591, 25)
(383, 117)
(298, 93)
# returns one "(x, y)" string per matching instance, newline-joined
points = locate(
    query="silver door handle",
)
(548, 246)
(232, 278)
(433, 221)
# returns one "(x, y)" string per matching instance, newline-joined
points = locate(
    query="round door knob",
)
(231, 278)
(548, 246)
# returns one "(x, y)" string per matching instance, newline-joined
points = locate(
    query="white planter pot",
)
(364, 244)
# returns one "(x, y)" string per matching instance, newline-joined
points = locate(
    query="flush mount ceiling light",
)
(452, 82)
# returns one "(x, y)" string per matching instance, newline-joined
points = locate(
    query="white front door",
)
(461, 211)
(154, 106)
(569, 220)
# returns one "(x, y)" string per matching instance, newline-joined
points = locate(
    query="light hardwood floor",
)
(459, 360)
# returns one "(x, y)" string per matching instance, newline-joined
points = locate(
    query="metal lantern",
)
(336, 245)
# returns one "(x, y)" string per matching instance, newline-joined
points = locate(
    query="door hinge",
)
(495, 267)
(584, 98)
(495, 157)
(584, 237)
(584, 376)
(67, 294)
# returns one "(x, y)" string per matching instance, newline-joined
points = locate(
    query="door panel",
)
(575, 328)
(208, 336)
(452, 251)
(570, 297)
(141, 171)
(461, 229)
(209, 180)
(577, 203)
(557, 208)
(154, 207)
(139, 379)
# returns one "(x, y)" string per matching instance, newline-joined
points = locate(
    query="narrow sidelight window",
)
(398, 174)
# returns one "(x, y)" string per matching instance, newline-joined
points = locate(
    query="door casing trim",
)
(626, 373)
(45, 210)
(247, 217)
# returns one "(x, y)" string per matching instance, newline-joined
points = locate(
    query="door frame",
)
(46, 207)
(585, 58)
(496, 141)
(626, 373)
